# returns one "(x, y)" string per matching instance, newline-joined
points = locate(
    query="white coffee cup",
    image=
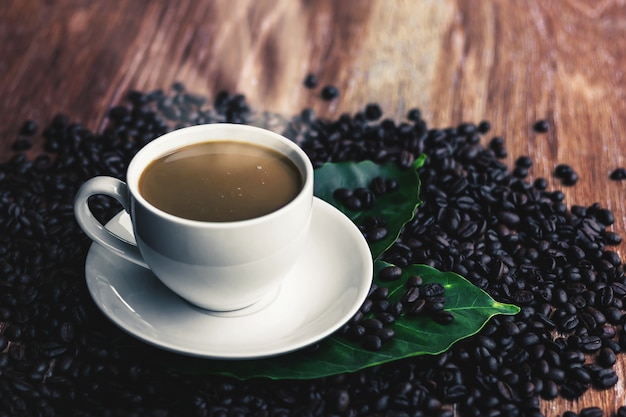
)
(219, 266)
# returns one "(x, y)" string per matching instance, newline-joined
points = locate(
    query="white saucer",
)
(324, 290)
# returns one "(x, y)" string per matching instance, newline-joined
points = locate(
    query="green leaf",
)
(397, 207)
(471, 306)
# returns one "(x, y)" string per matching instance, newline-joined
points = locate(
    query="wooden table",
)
(509, 62)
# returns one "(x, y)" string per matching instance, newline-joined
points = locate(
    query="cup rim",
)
(185, 136)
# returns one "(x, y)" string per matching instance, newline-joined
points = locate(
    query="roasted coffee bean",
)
(436, 303)
(443, 317)
(356, 332)
(20, 145)
(382, 306)
(414, 115)
(28, 128)
(380, 293)
(386, 318)
(540, 183)
(510, 327)
(573, 357)
(433, 289)
(358, 317)
(591, 343)
(372, 324)
(329, 92)
(353, 203)
(411, 295)
(406, 159)
(372, 342)
(310, 81)
(524, 161)
(604, 378)
(414, 281)
(550, 390)
(607, 218)
(396, 308)
(618, 174)
(416, 308)
(567, 322)
(392, 184)
(384, 333)
(562, 171)
(591, 412)
(613, 314)
(342, 194)
(606, 357)
(365, 196)
(367, 306)
(378, 186)
(573, 389)
(580, 374)
(371, 222)
(570, 179)
(541, 126)
(390, 273)
(606, 296)
(373, 112)
(377, 234)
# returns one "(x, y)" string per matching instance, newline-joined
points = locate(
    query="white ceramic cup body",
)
(218, 266)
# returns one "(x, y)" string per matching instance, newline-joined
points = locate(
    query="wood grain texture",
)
(509, 62)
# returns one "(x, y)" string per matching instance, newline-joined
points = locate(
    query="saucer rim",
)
(362, 283)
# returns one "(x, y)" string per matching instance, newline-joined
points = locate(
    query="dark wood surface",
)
(509, 62)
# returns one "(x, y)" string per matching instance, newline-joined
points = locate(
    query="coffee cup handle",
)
(117, 189)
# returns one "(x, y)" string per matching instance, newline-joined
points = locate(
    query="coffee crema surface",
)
(220, 181)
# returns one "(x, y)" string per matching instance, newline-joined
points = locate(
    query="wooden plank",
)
(505, 61)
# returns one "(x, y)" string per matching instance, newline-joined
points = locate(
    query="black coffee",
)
(220, 181)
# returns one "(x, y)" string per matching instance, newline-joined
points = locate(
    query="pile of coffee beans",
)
(517, 240)
(372, 325)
